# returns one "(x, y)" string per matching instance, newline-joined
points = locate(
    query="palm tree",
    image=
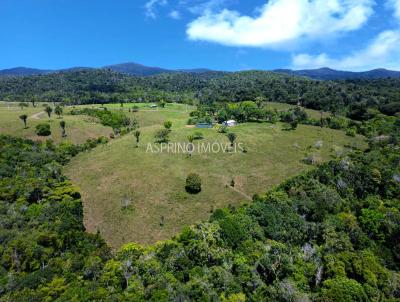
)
(58, 110)
(24, 117)
(49, 110)
(62, 125)
(231, 137)
(137, 135)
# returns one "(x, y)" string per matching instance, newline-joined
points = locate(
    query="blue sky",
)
(216, 34)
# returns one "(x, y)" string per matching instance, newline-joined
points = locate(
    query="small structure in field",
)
(204, 125)
(153, 106)
(230, 123)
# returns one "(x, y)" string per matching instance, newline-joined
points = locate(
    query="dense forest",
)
(332, 234)
(98, 86)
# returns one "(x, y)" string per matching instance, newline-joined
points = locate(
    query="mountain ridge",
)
(136, 69)
(326, 73)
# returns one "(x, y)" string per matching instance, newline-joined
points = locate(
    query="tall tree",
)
(58, 110)
(137, 135)
(232, 137)
(190, 145)
(62, 125)
(49, 110)
(24, 118)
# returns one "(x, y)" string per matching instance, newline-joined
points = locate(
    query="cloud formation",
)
(280, 22)
(151, 5)
(395, 5)
(174, 14)
(383, 51)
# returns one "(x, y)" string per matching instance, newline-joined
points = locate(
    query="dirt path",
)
(36, 116)
(241, 193)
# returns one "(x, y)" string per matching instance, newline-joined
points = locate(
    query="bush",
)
(43, 130)
(193, 183)
(223, 129)
(351, 132)
(162, 136)
(198, 135)
(168, 125)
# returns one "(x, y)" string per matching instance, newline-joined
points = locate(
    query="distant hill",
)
(132, 69)
(331, 74)
(22, 71)
(135, 69)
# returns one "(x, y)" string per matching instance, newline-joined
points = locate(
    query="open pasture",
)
(133, 194)
(78, 128)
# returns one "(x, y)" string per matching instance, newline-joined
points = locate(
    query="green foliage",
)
(115, 120)
(48, 110)
(161, 136)
(168, 125)
(193, 183)
(231, 137)
(24, 118)
(137, 135)
(43, 129)
(23, 105)
(343, 289)
(198, 135)
(58, 110)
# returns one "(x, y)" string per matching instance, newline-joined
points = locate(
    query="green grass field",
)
(79, 128)
(154, 182)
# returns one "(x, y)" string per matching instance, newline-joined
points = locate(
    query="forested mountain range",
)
(96, 86)
(331, 74)
(132, 69)
(135, 69)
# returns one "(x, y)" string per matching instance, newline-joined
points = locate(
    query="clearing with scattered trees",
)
(154, 183)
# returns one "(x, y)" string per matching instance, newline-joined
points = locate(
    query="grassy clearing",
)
(79, 128)
(154, 183)
(311, 113)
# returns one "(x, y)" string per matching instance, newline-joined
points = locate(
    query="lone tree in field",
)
(168, 125)
(190, 147)
(232, 137)
(48, 110)
(162, 136)
(162, 104)
(22, 105)
(193, 183)
(58, 110)
(137, 135)
(62, 125)
(24, 117)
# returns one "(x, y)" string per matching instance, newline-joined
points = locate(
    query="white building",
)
(230, 123)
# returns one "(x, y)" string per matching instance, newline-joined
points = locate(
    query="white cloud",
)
(382, 52)
(151, 5)
(200, 7)
(395, 5)
(174, 15)
(280, 22)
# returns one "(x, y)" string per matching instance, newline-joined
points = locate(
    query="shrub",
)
(351, 132)
(193, 183)
(223, 129)
(168, 125)
(162, 136)
(43, 130)
(198, 135)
